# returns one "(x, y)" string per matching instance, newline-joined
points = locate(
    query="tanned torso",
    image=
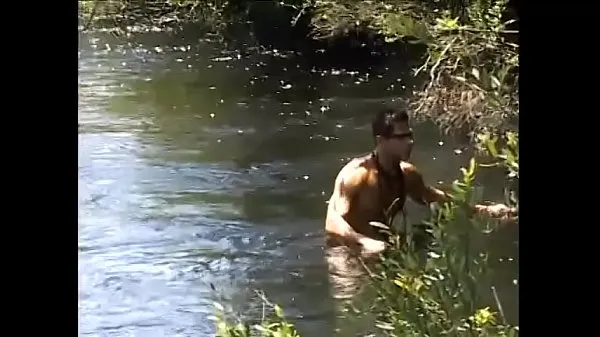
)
(372, 192)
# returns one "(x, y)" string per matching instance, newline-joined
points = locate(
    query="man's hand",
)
(497, 210)
(371, 246)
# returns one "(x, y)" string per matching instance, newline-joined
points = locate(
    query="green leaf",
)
(222, 330)
(461, 184)
(459, 191)
(218, 306)
(384, 326)
(241, 327)
(378, 225)
(260, 328)
(278, 311)
(472, 167)
(512, 139)
(495, 82)
(491, 146)
(510, 158)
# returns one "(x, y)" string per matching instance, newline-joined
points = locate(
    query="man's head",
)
(392, 133)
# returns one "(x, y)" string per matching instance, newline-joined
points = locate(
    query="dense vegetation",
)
(470, 74)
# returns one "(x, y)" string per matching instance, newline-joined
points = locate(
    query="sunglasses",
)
(401, 136)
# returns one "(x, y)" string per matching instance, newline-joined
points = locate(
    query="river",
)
(203, 176)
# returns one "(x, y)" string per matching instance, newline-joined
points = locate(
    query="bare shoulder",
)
(409, 170)
(354, 173)
(412, 175)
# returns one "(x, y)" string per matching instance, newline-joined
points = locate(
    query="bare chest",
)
(379, 197)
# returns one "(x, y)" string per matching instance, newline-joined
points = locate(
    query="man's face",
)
(399, 143)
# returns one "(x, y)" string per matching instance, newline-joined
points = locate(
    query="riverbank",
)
(465, 56)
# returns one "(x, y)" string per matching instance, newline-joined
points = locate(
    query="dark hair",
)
(383, 123)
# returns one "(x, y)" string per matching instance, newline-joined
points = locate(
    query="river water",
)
(203, 176)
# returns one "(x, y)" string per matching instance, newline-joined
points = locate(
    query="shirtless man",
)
(367, 186)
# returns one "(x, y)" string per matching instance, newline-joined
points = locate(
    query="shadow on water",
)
(201, 166)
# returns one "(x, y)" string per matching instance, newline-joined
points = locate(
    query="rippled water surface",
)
(202, 169)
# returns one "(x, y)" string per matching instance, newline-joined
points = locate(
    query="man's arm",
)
(424, 194)
(346, 187)
(417, 190)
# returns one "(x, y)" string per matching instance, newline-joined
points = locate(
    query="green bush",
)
(442, 293)
(126, 16)
(472, 68)
(272, 324)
